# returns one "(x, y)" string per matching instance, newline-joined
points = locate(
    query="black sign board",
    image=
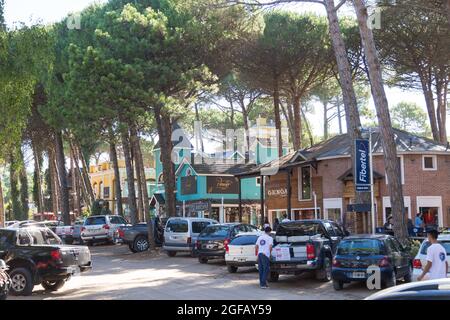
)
(222, 185)
(189, 185)
(359, 207)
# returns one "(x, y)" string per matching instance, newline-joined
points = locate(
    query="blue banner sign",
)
(362, 165)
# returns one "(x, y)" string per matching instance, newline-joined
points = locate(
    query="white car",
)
(420, 259)
(240, 252)
(101, 228)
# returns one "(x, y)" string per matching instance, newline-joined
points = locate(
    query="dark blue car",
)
(357, 255)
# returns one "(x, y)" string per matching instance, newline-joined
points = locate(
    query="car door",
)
(177, 232)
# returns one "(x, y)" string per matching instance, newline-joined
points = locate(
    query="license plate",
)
(358, 275)
(242, 260)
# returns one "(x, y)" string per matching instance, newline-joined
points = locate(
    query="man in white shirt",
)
(263, 250)
(436, 267)
(285, 218)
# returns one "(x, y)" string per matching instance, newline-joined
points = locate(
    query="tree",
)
(414, 46)
(409, 116)
(387, 136)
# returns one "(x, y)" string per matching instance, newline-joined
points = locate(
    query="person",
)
(436, 267)
(418, 221)
(410, 228)
(266, 224)
(285, 218)
(276, 224)
(263, 250)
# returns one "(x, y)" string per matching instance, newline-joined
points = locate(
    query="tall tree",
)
(410, 117)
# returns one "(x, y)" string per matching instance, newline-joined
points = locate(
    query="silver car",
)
(101, 228)
(180, 234)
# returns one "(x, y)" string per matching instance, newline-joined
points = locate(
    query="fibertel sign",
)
(362, 165)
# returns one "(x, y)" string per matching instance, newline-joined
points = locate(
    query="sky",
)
(49, 11)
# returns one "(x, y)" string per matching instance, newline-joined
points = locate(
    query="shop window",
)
(305, 183)
(258, 181)
(430, 216)
(429, 163)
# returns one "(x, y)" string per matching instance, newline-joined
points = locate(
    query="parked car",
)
(213, 241)
(37, 256)
(10, 223)
(52, 225)
(70, 234)
(101, 228)
(420, 259)
(305, 246)
(19, 224)
(136, 237)
(180, 234)
(438, 289)
(357, 253)
(5, 281)
(240, 252)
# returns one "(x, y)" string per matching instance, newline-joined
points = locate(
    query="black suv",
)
(37, 256)
(212, 242)
(356, 254)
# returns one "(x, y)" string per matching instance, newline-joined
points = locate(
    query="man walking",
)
(436, 267)
(263, 249)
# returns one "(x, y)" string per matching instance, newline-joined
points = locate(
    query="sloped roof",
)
(341, 145)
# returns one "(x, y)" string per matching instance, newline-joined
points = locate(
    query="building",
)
(318, 182)
(206, 184)
(103, 179)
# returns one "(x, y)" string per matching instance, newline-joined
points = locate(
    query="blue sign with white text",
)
(362, 165)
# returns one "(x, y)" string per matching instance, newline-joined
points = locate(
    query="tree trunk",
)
(117, 186)
(53, 181)
(14, 189)
(165, 137)
(297, 122)
(338, 105)
(247, 133)
(308, 128)
(76, 196)
(62, 174)
(276, 107)
(448, 12)
(23, 187)
(85, 184)
(200, 136)
(137, 170)
(387, 135)
(325, 121)
(429, 101)
(2, 206)
(441, 89)
(38, 193)
(130, 177)
(85, 172)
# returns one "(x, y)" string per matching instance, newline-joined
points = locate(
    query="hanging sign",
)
(362, 165)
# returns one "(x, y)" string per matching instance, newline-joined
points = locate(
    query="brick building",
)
(318, 181)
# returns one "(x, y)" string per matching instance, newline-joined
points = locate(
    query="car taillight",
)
(189, 240)
(336, 263)
(417, 264)
(310, 252)
(56, 255)
(106, 227)
(384, 262)
(121, 233)
(226, 242)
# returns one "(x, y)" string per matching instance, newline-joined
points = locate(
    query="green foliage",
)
(410, 116)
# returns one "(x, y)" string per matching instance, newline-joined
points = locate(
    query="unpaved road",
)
(120, 275)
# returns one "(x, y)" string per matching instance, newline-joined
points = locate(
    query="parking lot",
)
(118, 274)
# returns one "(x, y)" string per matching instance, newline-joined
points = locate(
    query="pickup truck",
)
(70, 234)
(36, 256)
(136, 236)
(305, 246)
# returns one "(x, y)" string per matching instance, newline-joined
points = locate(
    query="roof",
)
(341, 145)
(178, 137)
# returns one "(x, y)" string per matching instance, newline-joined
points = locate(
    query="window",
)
(217, 231)
(177, 225)
(6, 238)
(305, 183)
(258, 181)
(92, 221)
(429, 163)
(244, 241)
(360, 247)
(198, 226)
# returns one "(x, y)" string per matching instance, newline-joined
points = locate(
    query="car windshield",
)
(215, 231)
(426, 245)
(91, 221)
(43, 236)
(359, 247)
(179, 226)
(293, 229)
(244, 240)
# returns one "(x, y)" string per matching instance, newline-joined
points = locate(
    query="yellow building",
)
(103, 183)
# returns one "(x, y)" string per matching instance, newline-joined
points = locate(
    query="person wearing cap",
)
(263, 250)
(436, 267)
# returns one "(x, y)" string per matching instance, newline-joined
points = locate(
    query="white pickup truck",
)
(101, 228)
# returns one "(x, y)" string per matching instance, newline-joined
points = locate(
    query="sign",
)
(277, 191)
(282, 254)
(362, 165)
(198, 206)
(222, 185)
(189, 185)
(357, 207)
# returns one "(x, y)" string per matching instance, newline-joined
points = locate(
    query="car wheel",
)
(21, 282)
(392, 281)
(141, 244)
(171, 253)
(338, 285)
(53, 285)
(232, 269)
(274, 276)
(132, 249)
(324, 274)
(408, 277)
(203, 260)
